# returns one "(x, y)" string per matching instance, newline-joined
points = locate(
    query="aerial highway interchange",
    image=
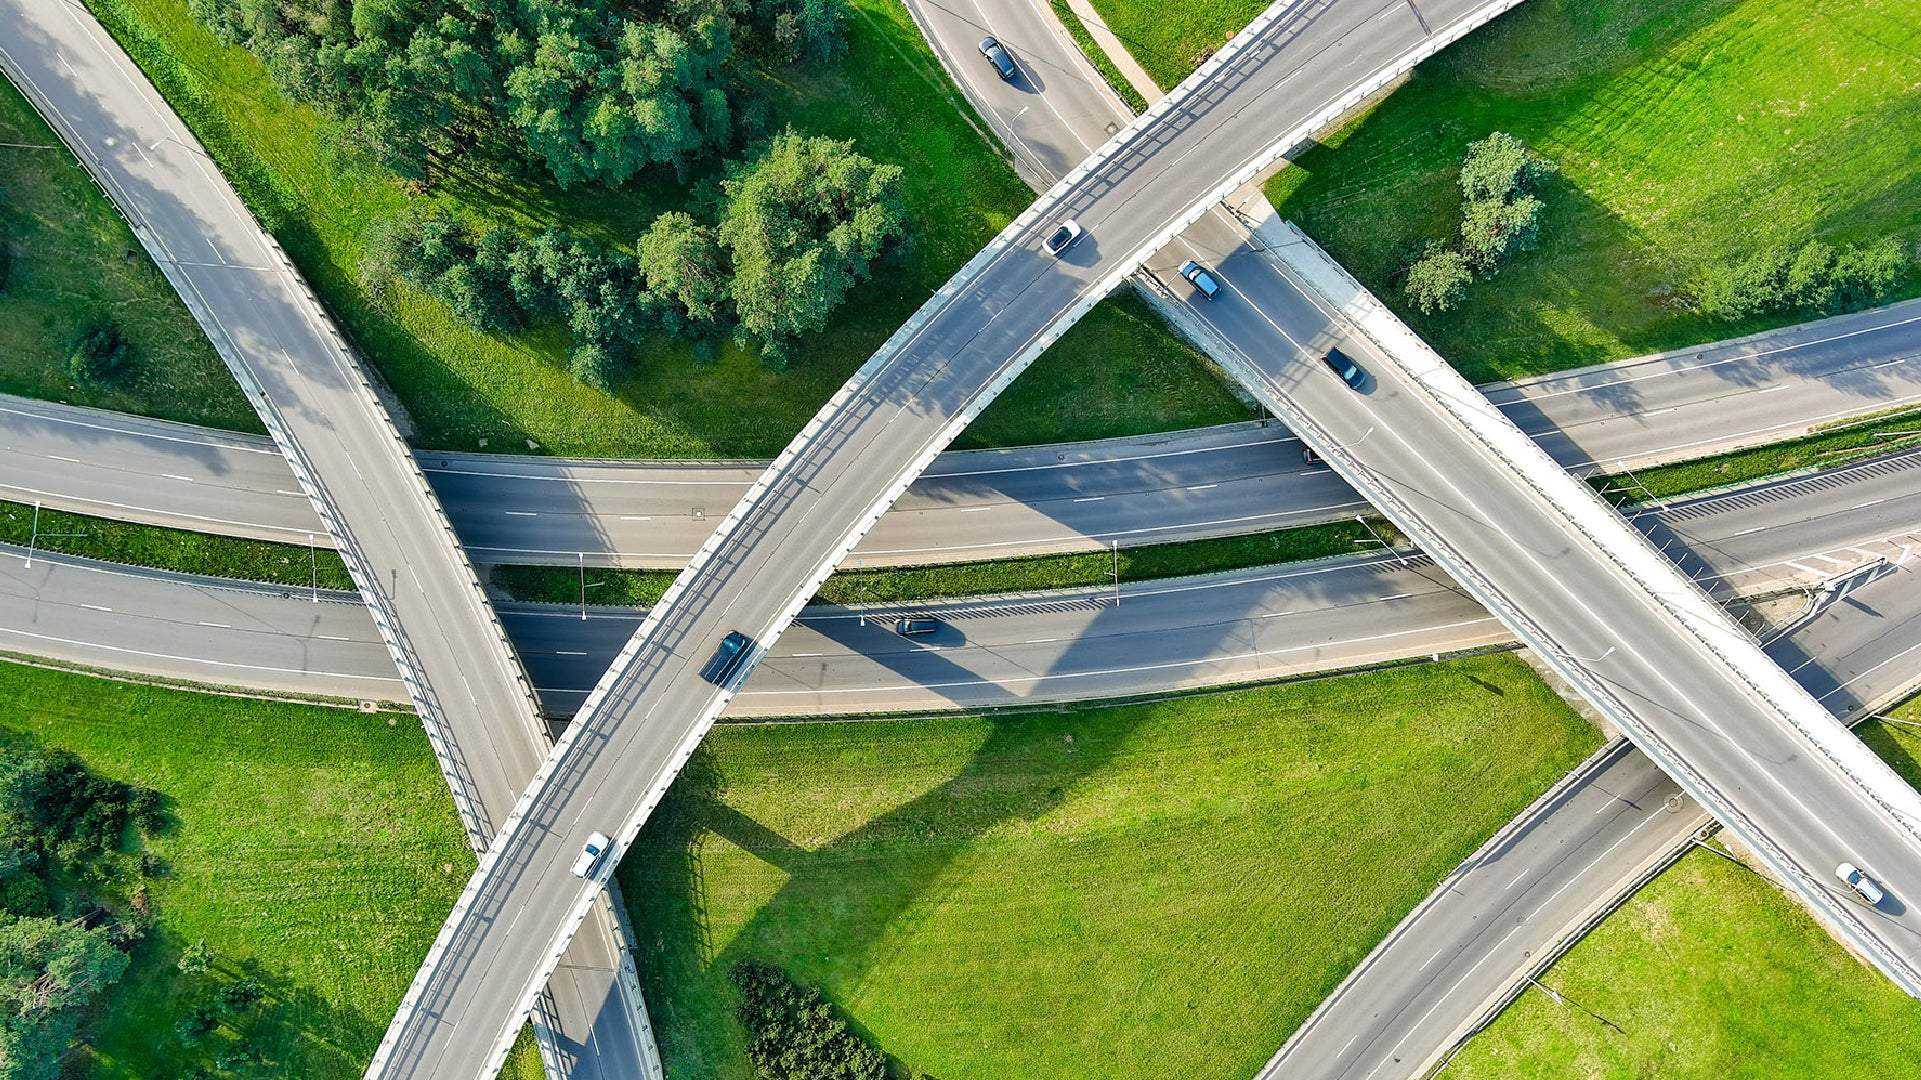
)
(936, 425)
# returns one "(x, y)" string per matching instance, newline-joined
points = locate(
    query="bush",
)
(793, 1033)
(1813, 279)
(1500, 168)
(99, 353)
(1492, 230)
(1438, 281)
(201, 1021)
(236, 998)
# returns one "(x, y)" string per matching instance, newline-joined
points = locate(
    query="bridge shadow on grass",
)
(837, 901)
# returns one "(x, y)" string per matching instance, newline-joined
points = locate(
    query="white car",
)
(1864, 886)
(592, 854)
(1064, 236)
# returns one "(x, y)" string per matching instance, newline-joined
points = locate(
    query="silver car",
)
(1864, 886)
(592, 854)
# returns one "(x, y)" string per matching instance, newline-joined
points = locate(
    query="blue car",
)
(1202, 278)
(726, 661)
(1349, 371)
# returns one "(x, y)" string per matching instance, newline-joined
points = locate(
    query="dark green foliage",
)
(593, 90)
(99, 353)
(6, 264)
(803, 224)
(793, 1033)
(686, 277)
(1439, 279)
(49, 970)
(236, 998)
(1500, 168)
(54, 807)
(1814, 279)
(199, 1022)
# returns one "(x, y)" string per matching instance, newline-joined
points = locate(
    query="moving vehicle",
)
(998, 56)
(1864, 886)
(592, 854)
(726, 661)
(912, 627)
(1202, 278)
(1349, 371)
(1064, 237)
(1309, 457)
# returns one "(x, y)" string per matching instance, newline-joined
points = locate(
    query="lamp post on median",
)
(33, 539)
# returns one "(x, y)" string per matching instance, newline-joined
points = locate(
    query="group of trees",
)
(64, 832)
(227, 1004)
(800, 226)
(1500, 215)
(1814, 279)
(793, 1032)
(596, 90)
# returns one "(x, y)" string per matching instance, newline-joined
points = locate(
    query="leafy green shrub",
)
(1814, 279)
(1501, 168)
(1438, 280)
(99, 353)
(793, 1033)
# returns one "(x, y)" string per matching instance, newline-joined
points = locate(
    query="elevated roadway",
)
(357, 475)
(981, 503)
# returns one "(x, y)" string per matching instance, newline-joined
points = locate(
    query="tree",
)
(1493, 230)
(683, 274)
(99, 353)
(49, 971)
(1500, 167)
(804, 223)
(793, 1032)
(199, 1022)
(1438, 281)
(236, 998)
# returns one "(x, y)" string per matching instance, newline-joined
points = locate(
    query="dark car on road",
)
(727, 660)
(1309, 457)
(1002, 60)
(1202, 278)
(907, 627)
(1349, 371)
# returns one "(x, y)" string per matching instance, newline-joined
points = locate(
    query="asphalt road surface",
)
(358, 476)
(976, 504)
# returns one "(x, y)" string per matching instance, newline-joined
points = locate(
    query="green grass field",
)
(1768, 993)
(563, 584)
(1171, 40)
(71, 257)
(1118, 372)
(316, 850)
(1145, 890)
(1689, 133)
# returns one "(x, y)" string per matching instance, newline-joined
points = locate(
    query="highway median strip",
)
(180, 550)
(639, 588)
(1834, 445)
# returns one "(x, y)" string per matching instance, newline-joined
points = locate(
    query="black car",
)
(1349, 371)
(727, 660)
(998, 56)
(915, 627)
(1309, 457)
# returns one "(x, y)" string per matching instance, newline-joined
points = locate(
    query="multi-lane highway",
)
(983, 503)
(358, 476)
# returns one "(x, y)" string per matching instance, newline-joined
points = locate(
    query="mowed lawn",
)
(316, 850)
(72, 258)
(1171, 40)
(1119, 372)
(1130, 891)
(1689, 133)
(1711, 973)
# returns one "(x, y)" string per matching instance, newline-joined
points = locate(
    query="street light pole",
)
(1117, 572)
(313, 567)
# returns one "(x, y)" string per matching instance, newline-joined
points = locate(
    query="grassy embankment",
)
(1710, 973)
(68, 257)
(315, 850)
(172, 549)
(1118, 372)
(1689, 135)
(1143, 890)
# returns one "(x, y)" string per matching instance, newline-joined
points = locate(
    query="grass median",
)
(639, 588)
(1119, 372)
(171, 549)
(1689, 135)
(315, 850)
(67, 257)
(1837, 444)
(1144, 890)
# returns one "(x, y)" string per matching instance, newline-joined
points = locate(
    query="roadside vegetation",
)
(172, 549)
(309, 182)
(283, 902)
(1724, 167)
(1097, 56)
(85, 316)
(1143, 890)
(1834, 445)
(1171, 40)
(639, 588)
